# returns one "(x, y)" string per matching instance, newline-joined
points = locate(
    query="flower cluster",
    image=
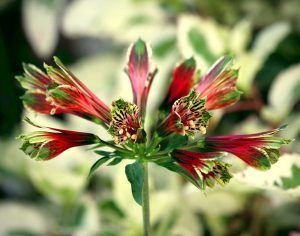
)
(177, 139)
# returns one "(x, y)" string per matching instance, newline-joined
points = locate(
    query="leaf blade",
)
(97, 164)
(135, 175)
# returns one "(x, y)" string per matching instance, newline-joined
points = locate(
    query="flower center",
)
(192, 113)
(125, 121)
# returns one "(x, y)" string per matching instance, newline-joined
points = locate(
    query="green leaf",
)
(293, 181)
(103, 153)
(200, 46)
(135, 176)
(97, 164)
(115, 161)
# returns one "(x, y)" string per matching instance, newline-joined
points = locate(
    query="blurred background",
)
(91, 37)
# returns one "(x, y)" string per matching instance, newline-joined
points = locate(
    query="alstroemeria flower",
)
(139, 72)
(205, 168)
(45, 145)
(61, 92)
(188, 116)
(258, 150)
(182, 80)
(125, 122)
(218, 86)
(36, 82)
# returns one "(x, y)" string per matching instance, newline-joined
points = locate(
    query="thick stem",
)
(146, 204)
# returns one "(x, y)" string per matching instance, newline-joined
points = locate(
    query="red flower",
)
(188, 116)
(205, 168)
(61, 92)
(126, 123)
(218, 86)
(45, 145)
(37, 101)
(36, 82)
(182, 80)
(138, 70)
(258, 150)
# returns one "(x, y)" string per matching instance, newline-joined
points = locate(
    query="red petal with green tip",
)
(74, 101)
(182, 80)
(138, 69)
(205, 167)
(258, 150)
(38, 102)
(218, 86)
(45, 145)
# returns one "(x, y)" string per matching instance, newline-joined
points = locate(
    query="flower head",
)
(218, 86)
(36, 82)
(60, 92)
(258, 150)
(205, 168)
(188, 116)
(45, 145)
(126, 123)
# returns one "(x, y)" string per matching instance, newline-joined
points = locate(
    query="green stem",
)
(146, 204)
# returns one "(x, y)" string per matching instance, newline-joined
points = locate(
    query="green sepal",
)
(140, 48)
(135, 176)
(190, 63)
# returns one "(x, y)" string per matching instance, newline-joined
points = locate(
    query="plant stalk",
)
(146, 203)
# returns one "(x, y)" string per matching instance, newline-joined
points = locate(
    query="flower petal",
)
(74, 101)
(182, 80)
(33, 78)
(138, 69)
(45, 145)
(258, 150)
(38, 102)
(218, 86)
(205, 167)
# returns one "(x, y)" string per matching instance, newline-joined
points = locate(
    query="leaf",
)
(239, 37)
(293, 181)
(135, 176)
(282, 176)
(41, 24)
(115, 161)
(202, 38)
(103, 153)
(143, 18)
(283, 94)
(97, 164)
(267, 41)
(199, 45)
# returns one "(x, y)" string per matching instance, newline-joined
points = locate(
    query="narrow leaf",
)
(103, 153)
(135, 175)
(115, 161)
(97, 164)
